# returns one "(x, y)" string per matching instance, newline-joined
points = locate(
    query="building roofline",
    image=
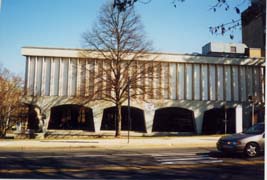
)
(158, 56)
(152, 52)
(81, 49)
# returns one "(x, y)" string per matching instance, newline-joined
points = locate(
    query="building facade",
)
(194, 94)
(254, 25)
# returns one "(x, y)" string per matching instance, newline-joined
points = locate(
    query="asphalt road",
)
(165, 163)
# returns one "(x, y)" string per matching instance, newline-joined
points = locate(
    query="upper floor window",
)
(233, 49)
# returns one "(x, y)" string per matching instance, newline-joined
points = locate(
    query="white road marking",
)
(129, 154)
(161, 158)
(71, 155)
(212, 161)
(176, 154)
(185, 158)
(192, 162)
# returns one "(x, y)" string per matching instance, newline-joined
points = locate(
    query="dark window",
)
(71, 117)
(137, 119)
(213, 121)
(174, 119)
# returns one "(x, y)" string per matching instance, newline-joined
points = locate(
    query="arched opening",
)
(174, 119)
(137, 119)
(71, 117)
(214, 121)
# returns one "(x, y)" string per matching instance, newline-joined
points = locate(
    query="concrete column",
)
(60, 82)
(96, 73)
(27, 77)
(78, 84)
(97, 114)
(52, 79)
(69, 78)
(198, 120)
(46, 120)
(173, 90)
(43, 84)
(35, 77)
(86, 79)
(238, 119)
(149, 112)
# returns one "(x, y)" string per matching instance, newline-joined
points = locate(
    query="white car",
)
(249, 142)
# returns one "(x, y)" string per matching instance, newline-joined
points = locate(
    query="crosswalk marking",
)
(174, 154)
(185, 158)
(160, 158)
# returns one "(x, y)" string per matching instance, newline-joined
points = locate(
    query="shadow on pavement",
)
(229, 155)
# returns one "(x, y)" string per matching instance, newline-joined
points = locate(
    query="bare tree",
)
(10, 98)
(221, 29)
(118, 38)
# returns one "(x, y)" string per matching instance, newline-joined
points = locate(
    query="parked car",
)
(249, 142)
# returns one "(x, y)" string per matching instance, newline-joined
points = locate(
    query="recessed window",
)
(233, 49)
(174, 119)
(137, 119)
(71, 117)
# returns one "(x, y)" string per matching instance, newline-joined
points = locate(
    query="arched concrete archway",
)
(174, 119)
(213, 121)
(137, 119)
(71, 117)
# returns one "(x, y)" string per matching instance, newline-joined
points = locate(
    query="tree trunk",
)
(2, 135)
(8, 117)
(3, 128)
(118, 121)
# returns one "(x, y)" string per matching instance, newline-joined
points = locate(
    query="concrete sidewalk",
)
(135, 142)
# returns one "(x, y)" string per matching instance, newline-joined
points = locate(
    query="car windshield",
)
(256, 129)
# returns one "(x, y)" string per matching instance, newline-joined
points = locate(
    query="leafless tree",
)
(122, 58)
(10, 99)
(221, 29)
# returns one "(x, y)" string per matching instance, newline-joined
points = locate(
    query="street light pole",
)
(129, 115)
(253, 101)
(253, 109)
(225, 119)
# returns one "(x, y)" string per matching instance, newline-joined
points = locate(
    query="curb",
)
(53, 145)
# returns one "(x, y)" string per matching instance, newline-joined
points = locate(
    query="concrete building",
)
(254, 26)
(198, 93)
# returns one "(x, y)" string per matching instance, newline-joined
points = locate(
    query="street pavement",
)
(168, 157)
(111, 163)
(111, 142)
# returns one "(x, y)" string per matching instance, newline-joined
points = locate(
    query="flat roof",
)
(156, 56)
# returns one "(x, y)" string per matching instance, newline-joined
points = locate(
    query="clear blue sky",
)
(60, 23)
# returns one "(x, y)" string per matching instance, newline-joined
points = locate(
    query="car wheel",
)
(251, 150)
